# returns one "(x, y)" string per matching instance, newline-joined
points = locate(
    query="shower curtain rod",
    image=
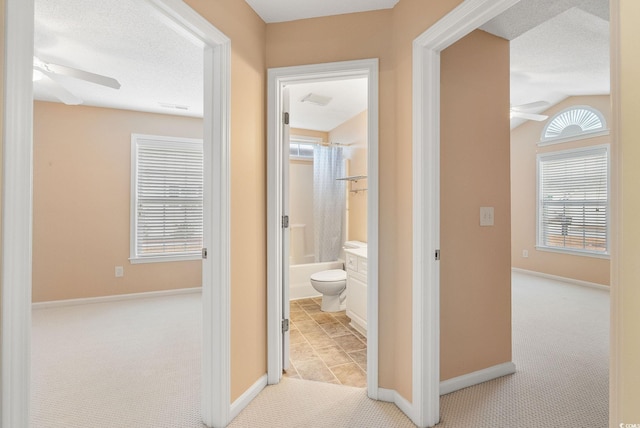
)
(329, 144)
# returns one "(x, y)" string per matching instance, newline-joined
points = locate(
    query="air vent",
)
(174, 106)
(319, 100)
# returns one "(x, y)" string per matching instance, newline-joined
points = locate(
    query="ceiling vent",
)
(316, 99)
(174, 106)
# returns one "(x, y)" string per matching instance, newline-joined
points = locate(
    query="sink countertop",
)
(360, 252)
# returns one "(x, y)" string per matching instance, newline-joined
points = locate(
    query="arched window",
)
(574, 123)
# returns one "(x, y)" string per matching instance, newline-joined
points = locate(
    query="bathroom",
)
(328, 232)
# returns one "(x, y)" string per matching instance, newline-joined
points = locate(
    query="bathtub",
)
(299, 285)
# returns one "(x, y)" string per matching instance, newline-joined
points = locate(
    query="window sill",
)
(574, 252)
(162, 259)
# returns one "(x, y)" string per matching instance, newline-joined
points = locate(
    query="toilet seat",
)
(332, 275)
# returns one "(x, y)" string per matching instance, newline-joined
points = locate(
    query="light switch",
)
(486, 216)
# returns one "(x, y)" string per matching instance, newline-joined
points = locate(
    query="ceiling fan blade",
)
(57, 90)
(98, 79)
(530, 106)
(85, 75)
(529, 116)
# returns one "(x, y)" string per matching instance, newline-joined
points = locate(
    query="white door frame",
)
(465, 18)
(17, 209)
(277, 79)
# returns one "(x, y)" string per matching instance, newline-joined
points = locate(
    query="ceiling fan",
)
(53, 73)
(521, 111)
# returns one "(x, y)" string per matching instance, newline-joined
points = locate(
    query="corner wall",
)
(82, 199)
(248, 190)
(524, 208)
(475, 269)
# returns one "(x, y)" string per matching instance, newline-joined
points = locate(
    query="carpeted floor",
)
(137, 364)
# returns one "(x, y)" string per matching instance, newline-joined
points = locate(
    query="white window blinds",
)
(167, 205)
(573, 192)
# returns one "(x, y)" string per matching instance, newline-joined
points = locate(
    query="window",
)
(573, 204)
(573, 123)
(166, 198)
(301, 148)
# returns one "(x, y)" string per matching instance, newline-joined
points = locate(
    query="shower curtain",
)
(328, 202)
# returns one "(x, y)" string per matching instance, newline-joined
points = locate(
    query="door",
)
(285, 228)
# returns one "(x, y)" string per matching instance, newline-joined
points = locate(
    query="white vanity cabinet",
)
(356, 266)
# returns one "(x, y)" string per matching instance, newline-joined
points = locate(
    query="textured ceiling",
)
(123, 40)
(348, 98)
(559, 48)
(291, 10)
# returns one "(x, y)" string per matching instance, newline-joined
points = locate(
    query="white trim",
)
(17, 213)
(17, 206)
(616, 348)
(450, 385)
(579, 137)
(114, 298)
(582, 134)
(277, 78)
(392, 396)
(561, 279)
(573, 252)
(465, 18)
(133, 205)
(248, 396)
(571, 153)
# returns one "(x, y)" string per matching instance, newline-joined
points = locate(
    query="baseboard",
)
(392, 396)
(246, 398)
(561, 279)
(475, 378)
(115, 298)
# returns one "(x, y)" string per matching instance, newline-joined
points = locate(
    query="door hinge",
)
(204, 253)
(285, 325)
(285, 221)
(437, 254)
(285, 118)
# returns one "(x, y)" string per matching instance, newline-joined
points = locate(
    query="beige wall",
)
(410, 19)
(626, 321)
(524, 149)
(475, 269)
(388, 35)
(248, 190)
(354, 133)
(81, 203)
(342, 38)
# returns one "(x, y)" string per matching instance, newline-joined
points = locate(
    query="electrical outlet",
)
(486, 216)
(119, 271)
(525, 253)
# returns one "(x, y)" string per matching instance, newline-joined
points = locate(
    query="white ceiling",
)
(123, 40)
(348, 98)
(291, 10)
(559, 48)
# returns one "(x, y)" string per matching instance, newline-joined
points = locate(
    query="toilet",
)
(333, 286)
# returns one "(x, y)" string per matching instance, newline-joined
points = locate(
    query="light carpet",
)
(137, 364)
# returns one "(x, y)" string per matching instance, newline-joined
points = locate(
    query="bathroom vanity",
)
(356, 267)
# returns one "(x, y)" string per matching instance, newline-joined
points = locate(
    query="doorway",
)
(17, 242)
(327, 194)
(280, 81)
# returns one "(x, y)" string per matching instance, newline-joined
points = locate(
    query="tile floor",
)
(324, 347)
